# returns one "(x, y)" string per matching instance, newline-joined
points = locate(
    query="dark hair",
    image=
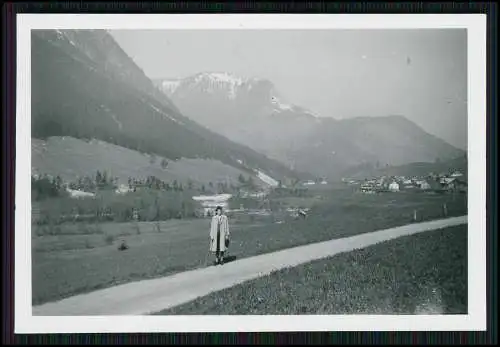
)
(218, 208)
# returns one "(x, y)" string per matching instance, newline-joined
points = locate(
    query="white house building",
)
(76, 194)
(394, 187)
(424, 185)
(210, 202)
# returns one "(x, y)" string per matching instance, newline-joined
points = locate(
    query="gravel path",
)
(154, 295)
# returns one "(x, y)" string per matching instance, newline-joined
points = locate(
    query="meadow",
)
(72, 258)
(418, 274)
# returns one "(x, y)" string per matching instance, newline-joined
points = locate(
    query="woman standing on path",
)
(219, 235)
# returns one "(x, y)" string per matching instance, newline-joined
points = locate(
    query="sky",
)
(417, 73)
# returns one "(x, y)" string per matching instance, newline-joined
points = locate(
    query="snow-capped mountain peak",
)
(220, 77)
(235, 89)
(169, 86)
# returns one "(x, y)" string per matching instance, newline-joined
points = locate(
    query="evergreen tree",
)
(241, 179)
(104, 179)
(98, 178)
(164, 163)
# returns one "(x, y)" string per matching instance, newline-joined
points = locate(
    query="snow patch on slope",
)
(165, 115)
(281, 105)
(113, 116)
(61, 35)
(170, 86)
(220, 80)
(267, 179)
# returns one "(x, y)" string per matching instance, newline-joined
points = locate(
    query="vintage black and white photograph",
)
(188, 172)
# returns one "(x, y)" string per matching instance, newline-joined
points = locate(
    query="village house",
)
(424, 185)
(455, 184)
(409, 186)
(367, 188)
(123, 189)
(394, 186)
(210, 202)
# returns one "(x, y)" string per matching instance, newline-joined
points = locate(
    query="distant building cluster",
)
(312, 183)
(443, 182)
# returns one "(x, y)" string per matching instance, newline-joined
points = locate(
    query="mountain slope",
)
(85, 86)
(71, 158)
(252, 112)
(378, 141)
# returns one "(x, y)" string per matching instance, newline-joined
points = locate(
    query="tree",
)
(241, 179)
(98, 178)
(250, 182)
(58, 182)
(164, 163)
(104, 179)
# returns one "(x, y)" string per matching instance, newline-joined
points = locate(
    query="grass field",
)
(419, 274)
(84, 257)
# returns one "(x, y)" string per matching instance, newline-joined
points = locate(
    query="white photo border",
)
(475, 320)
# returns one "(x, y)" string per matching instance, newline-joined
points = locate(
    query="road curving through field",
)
(154, 295)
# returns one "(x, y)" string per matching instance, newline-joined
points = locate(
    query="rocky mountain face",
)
(252, 112)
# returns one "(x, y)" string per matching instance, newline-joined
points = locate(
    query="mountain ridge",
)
(293, 135)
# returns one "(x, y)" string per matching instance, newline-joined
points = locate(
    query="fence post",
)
(414, 215)
(445, 210)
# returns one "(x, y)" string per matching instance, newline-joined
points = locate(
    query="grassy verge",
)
(424, 273)
(80, 259)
